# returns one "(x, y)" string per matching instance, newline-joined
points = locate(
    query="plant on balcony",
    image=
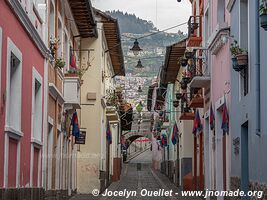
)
(239, 57)
(185, 108)
(183, 61)
(179, 95)
(77, 72)
(263, 14)
(189, 54)
(73, 73)
(192, 27)
(183, 84)
(60, 63)
(112, 99)
(53, 43)
(175, 103)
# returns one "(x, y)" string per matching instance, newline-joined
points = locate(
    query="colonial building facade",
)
(23, 82)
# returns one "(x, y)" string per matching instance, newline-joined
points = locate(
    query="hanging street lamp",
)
(136, 49)
(139, 65)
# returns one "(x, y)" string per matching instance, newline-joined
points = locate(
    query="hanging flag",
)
(175, 132)
(197, 123)
(212, 118)
(225, 119)
(164, 141)
(108, 134)
(75, 125)
(72, 59)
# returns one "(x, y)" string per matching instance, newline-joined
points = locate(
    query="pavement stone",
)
(134, 180)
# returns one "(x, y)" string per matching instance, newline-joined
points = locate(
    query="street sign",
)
(81, 139)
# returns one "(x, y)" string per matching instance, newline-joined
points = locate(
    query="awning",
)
(112, 34)
(171, 66)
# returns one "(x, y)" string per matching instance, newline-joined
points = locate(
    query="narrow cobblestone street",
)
(136, 180)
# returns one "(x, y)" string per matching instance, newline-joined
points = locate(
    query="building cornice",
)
(216, 41)
(26, 22)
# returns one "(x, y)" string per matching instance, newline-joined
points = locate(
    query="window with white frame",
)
(244, 74)
(59, 36)
(14, 88)
(37, 106)
(221, 11)
(40, 7)
(51, 20)
(207, 26)
(66, 51)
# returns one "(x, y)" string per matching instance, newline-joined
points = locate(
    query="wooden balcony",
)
(187, 116)
(197, 102)
(194, 31)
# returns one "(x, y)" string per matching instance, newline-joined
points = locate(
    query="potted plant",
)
(234, 51)
(60, 63)
(175, 103)
(186, 109)
(263, 14)
(183, 61)
(189, 54)
(239, 57)
(192, 27)
(73, 73)
(179, 95)
(242, 58)
(183, 85)
(53, 43)
(112, 99)
(186, 79)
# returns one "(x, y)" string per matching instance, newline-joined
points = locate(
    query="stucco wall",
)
(12, 28)
(89, 156)
(245, 107)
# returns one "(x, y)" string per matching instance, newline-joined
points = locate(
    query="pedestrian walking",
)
(156, 151)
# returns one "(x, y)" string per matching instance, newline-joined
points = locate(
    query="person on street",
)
(156, 151)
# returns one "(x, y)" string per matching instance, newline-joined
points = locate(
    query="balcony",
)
(194, 31)
(196, 98)
(72, 87)
(187, 116)
(200, 71)
(112, 114)
(186, 112)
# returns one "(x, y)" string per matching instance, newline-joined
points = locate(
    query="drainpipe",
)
(257, 70)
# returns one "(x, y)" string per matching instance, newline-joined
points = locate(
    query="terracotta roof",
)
(84, 17)
(171, 66)
(112, 34)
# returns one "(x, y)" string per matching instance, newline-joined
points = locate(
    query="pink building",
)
(22, 86)
(217, 143)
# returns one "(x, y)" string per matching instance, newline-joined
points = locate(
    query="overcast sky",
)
(163, 13)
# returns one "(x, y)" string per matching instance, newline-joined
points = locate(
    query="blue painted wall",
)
(243, 109)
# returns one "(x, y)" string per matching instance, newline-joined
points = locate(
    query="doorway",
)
(244, 160)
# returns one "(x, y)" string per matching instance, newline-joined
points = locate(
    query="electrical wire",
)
(162, 31)
(172, 27)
